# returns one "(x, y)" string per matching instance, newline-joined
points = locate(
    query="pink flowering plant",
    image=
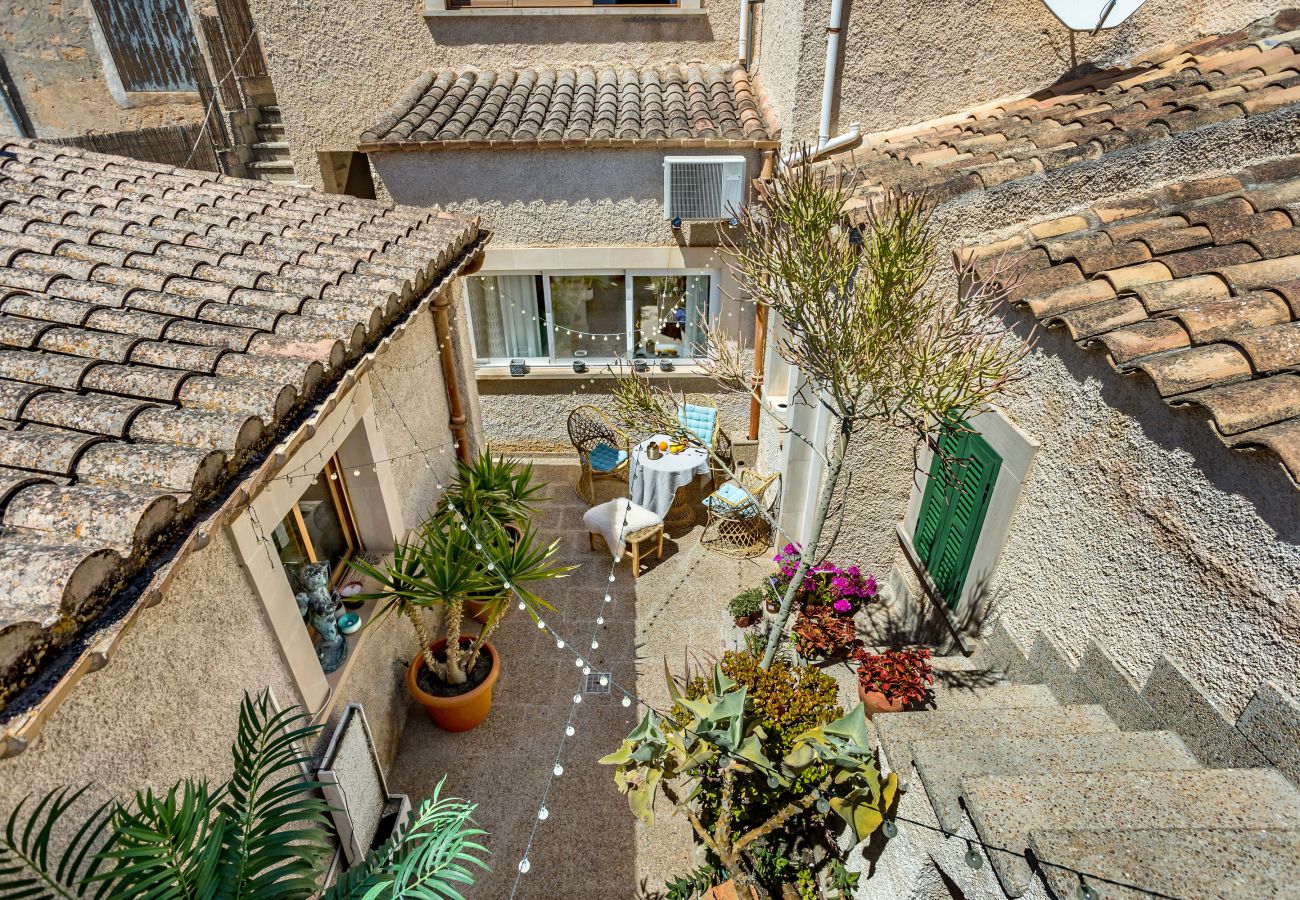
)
(846, 590)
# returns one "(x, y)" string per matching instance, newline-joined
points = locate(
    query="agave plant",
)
(263, 833)
(723, 737)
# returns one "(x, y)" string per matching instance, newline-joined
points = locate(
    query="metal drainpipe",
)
(441, 308)
(830, 78)
(746, 30)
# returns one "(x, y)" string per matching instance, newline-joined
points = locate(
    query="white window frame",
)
(550, 361)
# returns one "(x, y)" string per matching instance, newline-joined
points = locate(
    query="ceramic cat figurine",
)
(322, 612)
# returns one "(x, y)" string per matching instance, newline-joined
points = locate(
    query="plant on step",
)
(263, 833)
(896, 674)
(462, 554)
(723, 739)
(748, 602)
(874, 341)
(822, 633)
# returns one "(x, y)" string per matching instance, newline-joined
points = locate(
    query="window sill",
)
(566, 373)
(644, 12)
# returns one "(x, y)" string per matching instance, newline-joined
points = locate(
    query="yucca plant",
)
(261, 834)
(496, 490)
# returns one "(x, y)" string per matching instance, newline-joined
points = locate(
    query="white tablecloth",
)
(654, 482)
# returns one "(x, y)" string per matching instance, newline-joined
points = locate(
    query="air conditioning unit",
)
(703, 188)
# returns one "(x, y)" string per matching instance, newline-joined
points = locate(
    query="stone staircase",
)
(1036, 769)
(270, 152)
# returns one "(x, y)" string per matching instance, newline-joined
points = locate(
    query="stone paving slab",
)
(1214, 865)
(1007, 810)
(897, 731)
(942, 765)
(958, 695)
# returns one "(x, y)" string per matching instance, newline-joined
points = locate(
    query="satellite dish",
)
(1092, 15)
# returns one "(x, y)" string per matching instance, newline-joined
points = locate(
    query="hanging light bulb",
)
(521, 605)
(558, 770)
(595, 645)
(577, 663)
(611, 576)
(356, 473)
(543, 814)
(627, 701)
(524, 866)
(600, 620)
(569, 731)
(577, 698)
(608, 598)
(541, 624)
(604, 680)
(586, 670)
(559, 644)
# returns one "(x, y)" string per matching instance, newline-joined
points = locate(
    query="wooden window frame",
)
(338, 494)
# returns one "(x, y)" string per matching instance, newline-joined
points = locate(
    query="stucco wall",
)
(549, 198)
(905, 62)
(51, 56)
(337, 65)
(1137, 527)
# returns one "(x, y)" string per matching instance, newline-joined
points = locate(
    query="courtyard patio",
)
(589, 846)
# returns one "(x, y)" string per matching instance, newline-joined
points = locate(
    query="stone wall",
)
(49, 50)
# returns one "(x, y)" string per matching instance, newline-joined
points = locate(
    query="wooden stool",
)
(634, 540)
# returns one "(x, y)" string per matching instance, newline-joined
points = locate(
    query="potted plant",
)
(745, 607)
(821, 632)
(892, 680)
(758, 760)
(452, 558)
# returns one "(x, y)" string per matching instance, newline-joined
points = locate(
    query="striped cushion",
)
(605, 458)
(700, 420)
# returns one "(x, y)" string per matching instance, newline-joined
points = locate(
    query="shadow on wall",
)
(504, 31)
(1255, 475)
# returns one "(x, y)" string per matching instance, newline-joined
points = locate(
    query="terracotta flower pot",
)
(464, 711)
(728, 891)
(477, 610)
(876, 702)
(746, 621)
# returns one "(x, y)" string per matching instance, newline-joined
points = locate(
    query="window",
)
(151, 43)
(319, 528)
(952, 514)
(557, 318)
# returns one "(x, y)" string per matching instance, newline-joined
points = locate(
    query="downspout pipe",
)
(830, 79)
(746, 31)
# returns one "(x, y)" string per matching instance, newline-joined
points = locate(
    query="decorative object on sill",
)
(641, 365)
(322, 612)
(518, 368)
(677, 223)
(579, 366)
(348, 592)
(665, 365)
(349, 623)
(746, 607)
(892, 680)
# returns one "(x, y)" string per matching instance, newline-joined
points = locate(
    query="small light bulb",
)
(611, 576)
(595, 645)
(558, 770)
(478, 546)
(603, 681)
(569, 731)
(541, 624)
(559, 644)
(334, 476)
(577, 663)
(524, 866)
(506, 585)
(521, 605)
(608, 598)
(356, 473)
(586, 670)
(542, 814)
(627, 701)
(600, 620)
(577, 698)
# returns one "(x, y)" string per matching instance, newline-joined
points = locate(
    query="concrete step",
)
(271, 130)
(943, 765)
(1007, 810)
(1225, 865)
(270, 114)
(967, 695)
(897, 731)
(271, 151)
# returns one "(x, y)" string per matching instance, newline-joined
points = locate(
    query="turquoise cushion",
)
(700, 421)
(731, 498)
(605, 458)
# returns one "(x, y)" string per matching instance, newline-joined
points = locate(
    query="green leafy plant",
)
(495, 490)
(464, 553)
(806, 884)
(842, 880)
(747, 603)
(724, 738)
(263, 833)
(694, 883)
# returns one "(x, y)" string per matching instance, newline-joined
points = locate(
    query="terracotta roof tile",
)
(1211, 312)
(1170, 91)
(694, 104)
(130, 296)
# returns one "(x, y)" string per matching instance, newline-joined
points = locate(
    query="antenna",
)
(1092, 15)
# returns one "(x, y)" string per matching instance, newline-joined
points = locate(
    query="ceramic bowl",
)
(349, 622)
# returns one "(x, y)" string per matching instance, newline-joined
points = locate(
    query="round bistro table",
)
(656, 483)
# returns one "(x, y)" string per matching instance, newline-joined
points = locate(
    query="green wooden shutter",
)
(956, 514)
(933, 505)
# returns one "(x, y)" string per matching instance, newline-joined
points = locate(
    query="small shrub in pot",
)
(893, 679)
(746, 606)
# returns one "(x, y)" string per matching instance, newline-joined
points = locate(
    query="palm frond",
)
(430, 861)
(25, 871)
(274, 836)
(168, 846)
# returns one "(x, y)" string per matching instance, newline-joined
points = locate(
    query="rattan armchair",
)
(699, 413)
(603, 450)
(736, 526)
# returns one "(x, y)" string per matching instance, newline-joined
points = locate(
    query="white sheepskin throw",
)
(606, 519)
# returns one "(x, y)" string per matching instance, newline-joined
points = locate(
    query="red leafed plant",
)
(897, 674)
(822, 632)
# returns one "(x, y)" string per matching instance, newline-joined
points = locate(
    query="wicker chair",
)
(735, 526)
(699, 414)
(602, 449)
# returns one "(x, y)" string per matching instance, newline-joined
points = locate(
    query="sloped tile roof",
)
(1165, 92)
(1196, 284)
(690, 105)
(157, 328)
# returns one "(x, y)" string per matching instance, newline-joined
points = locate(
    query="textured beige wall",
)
(1137, 528)
(338, 64)
(52, 59)
(905, 62)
